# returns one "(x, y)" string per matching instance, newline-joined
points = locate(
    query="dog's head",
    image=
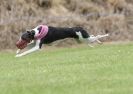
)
(26, 38)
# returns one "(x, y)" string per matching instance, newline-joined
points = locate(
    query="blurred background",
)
(96, 16)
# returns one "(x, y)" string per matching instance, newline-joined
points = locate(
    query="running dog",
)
(44, 34)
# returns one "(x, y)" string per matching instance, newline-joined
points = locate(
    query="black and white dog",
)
(44, 34)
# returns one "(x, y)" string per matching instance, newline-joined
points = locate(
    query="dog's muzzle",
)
(21, 44)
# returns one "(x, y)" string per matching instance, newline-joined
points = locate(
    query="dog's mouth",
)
(21, 44)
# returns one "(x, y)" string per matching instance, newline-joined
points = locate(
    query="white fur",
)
(36, 30)
(80, 35)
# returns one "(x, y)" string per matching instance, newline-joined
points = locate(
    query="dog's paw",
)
(90, 45)
(18, 51)
(99, 42)
(18, 55)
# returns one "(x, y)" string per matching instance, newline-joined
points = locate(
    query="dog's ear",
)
(31, 34)
(28, 32)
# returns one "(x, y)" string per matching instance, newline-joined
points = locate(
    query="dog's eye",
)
(28, 32)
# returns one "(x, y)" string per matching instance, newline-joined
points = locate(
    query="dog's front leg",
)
(29, 51)
(35, 48)
(19, 50)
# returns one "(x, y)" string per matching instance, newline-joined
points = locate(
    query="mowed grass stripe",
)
(105, 69)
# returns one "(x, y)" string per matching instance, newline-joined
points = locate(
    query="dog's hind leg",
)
(93, 38)
(81, 39)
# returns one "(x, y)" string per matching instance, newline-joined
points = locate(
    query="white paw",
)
(102, 36)
(90, 45)
(18, 55)
(18, 51)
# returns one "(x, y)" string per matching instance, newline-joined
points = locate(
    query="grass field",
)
(106, 69)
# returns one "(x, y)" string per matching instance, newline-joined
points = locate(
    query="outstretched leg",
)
(84, 36)
(93, 38)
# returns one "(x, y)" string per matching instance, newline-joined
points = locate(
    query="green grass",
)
(106, 69)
